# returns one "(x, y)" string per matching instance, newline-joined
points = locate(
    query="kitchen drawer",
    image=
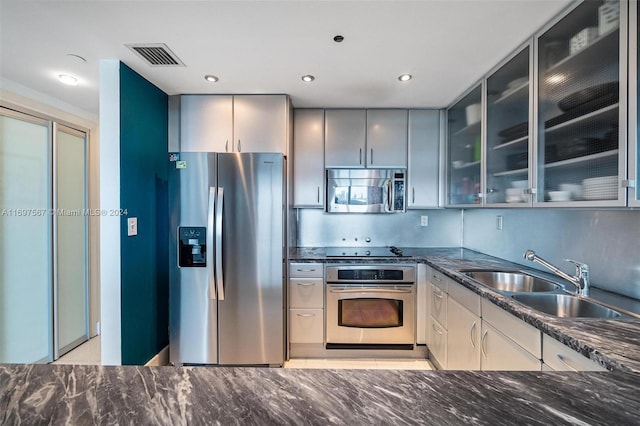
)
(562, 358)
(439, 279)
(306, 326)
(438, 348)
(306, 293)
(306, 270)
(465, 297)
(517, 330)
(439, 305)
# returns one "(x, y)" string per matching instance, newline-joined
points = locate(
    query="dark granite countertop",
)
(612, 343)
(82, 395)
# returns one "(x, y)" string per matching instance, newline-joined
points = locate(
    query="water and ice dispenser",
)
(193, 246)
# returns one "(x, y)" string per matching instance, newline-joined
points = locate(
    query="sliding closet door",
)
(25, 239)
(70, 236)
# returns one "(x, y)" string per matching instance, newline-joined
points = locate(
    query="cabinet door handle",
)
(473, 327)
(306, 315)
(360, 161)
(239, 149)
(306, 284)
(413, 195)
(562, 360)
(318, 194)
(483, 343)
(371, 162)
(226, 146)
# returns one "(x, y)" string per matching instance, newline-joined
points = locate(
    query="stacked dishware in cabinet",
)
(465, 149)
(507, 154)
(581, 106)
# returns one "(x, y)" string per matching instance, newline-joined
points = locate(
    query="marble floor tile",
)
(87, 353)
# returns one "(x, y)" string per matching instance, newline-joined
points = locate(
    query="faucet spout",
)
(580, 281)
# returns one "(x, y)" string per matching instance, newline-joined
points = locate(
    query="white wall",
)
(110, 278)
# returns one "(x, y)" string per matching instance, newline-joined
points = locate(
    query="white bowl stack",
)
(600, 188)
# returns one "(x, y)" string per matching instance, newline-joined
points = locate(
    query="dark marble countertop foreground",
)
(612, 343)
(84, 395)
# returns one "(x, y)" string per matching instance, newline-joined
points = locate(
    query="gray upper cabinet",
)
(206, 123)
(386, 138)
(260, 123)
(633, 187)
(345, 135)
(226, 123)
(423, 171)
(308, 156)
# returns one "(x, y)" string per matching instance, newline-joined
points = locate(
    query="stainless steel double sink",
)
(543, 295)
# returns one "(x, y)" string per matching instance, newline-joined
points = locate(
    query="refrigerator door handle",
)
(218, 218)
(210, 248)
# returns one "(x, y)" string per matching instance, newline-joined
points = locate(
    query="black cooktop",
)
(364, 252)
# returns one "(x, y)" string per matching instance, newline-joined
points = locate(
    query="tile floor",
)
(89, 353)
(370, 364)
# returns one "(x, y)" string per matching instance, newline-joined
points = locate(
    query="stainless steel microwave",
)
(366, 190)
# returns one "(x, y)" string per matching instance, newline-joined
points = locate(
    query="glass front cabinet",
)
(464, 149)
(508, 128)
(553, 127)
(581, 107)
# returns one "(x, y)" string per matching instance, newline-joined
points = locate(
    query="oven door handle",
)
(369, 290)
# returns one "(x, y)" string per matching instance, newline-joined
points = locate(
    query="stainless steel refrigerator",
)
(227, 254)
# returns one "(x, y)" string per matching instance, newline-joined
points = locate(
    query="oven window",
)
(370, 313)
(358, 195)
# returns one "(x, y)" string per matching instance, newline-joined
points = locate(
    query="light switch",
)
(424, 220)
(132, 226)
(499, 223)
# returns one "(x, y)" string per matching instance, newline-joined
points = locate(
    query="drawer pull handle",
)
(306, 284)
(437, 278)
(306, 315)
(562, 360)
(306, 270)
(483, 343)
(436, 330)
(473, 327)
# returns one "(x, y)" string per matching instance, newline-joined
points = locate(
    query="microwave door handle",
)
(389, 205)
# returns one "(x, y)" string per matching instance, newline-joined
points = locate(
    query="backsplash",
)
(607, 240)
(319, 229)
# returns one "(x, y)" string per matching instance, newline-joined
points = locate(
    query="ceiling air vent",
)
(156, 54)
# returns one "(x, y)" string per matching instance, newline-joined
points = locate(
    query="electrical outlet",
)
(499, 223)
(424, 220)
(132, 226)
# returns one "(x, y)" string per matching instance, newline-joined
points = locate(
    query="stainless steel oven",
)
(370, 305)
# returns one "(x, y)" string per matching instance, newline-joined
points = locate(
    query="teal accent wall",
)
(143, 193)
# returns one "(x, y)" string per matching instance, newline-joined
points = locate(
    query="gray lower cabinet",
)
(308, 158)
(306, 303)
(559, 357)
(463, 337)
(423, 173)
(501, 353)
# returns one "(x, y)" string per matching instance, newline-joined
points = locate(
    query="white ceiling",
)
(266, 46)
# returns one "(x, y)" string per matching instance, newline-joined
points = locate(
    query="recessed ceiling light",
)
(405, 77)
(68, 79)
(211, 78)
(308, 78)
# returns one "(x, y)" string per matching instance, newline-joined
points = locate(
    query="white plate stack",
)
(600, 188)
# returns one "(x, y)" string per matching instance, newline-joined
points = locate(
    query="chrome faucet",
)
(580, 280)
